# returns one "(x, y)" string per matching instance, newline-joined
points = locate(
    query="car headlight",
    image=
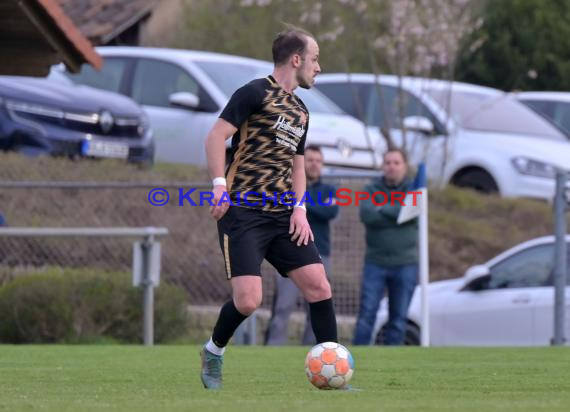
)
(531, 167)
(34, 109)
(144, 124)
(25, 113)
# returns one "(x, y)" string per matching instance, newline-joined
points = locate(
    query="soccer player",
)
(265, 181)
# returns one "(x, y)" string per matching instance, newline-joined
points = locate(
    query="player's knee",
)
(325, 291)
(246, 305)
(321, 290)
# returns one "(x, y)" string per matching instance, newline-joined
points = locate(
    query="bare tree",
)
(420, 38)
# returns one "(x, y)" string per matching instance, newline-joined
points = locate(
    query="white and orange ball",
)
(329, 365)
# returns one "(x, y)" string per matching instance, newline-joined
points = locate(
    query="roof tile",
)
(98, 19)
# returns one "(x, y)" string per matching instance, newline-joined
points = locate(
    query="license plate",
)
(105, 149)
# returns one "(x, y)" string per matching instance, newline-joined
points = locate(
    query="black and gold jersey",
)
(272, 128)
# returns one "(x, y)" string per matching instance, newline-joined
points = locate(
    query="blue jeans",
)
(400, 281)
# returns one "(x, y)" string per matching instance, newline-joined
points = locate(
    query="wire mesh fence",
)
(465, 229)
(191, 254)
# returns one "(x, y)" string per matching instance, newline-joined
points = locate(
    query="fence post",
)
(253, 329)
(246, 333)
(148, 300)
(560, 268)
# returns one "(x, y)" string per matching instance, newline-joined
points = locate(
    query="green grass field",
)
(166, 378)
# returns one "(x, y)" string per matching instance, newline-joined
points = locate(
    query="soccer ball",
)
(329, 365)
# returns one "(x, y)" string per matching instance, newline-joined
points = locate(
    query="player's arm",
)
(299, 225)
(216, 158)
(216, 146)
(241, 105)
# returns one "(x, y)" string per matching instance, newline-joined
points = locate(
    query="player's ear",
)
(296, 60)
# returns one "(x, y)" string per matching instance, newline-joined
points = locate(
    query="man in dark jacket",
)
(391, 261)
(320, 211)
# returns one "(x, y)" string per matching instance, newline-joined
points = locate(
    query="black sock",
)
(228, 321)
(324, 321)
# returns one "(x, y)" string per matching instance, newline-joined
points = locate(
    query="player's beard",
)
(302, 81)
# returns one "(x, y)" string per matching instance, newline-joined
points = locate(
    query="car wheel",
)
(477, 179)
(146, 164)
(412, 338)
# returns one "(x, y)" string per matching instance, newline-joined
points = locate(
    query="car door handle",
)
(521, 299)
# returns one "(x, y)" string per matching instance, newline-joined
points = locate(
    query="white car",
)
(507, 301)
(554, 106)
(184, 92)
(468, 135)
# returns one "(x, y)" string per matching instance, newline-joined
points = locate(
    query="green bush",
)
(79, 306)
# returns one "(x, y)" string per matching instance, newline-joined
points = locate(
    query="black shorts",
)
(247, 236)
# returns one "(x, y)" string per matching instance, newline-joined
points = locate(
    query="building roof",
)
(35, 34)
(103, 20)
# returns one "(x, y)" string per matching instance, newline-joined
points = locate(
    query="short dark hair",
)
(291, 41)
(314, 148)
(396, 150)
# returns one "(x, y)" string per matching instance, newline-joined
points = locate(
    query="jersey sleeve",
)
(301, 145)
(245, 101)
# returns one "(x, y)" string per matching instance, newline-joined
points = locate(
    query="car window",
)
(350, 97)
(108, 78)
(498, 112)
(530, 268)
(380, 107)
(154, 81)
(542, 107)
(557, 112)
(562, 115)
(385, 105)
(243, 73)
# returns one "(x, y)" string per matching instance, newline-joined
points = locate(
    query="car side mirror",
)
(476, 277)
(419, 124)
(185, 99)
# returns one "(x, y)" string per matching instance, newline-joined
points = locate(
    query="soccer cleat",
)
(211, 374)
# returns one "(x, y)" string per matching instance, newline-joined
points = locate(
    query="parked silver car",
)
(507, 301)
(468, 135)
(184, 92)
